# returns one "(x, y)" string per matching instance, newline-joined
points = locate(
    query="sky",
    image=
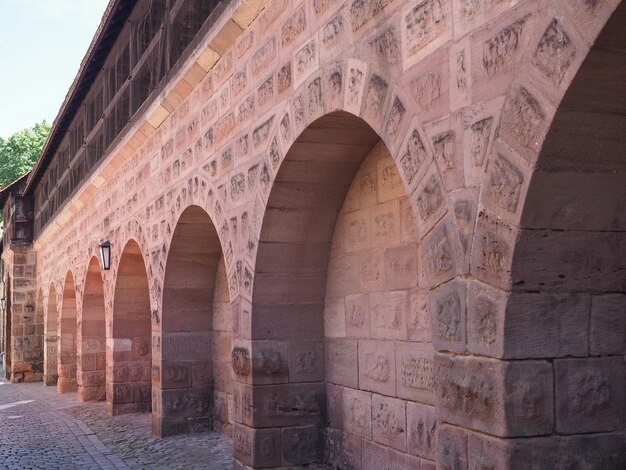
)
(42, 43)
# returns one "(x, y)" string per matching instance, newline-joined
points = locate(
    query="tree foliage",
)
(19, 152)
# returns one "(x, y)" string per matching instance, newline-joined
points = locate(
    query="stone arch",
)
(91, 373)
(571, 231)
(131, 231)
(363, 90)
(195, 333)
(51, 338)
(548, 259)
(198, 192)
(568, 262)
(302, 285)
(68, 330)
(129, 350)
(40, 317)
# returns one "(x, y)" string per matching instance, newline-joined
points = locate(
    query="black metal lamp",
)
(105, 255)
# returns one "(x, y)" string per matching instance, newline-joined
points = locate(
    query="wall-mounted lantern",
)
(105, 255)
(3, 303)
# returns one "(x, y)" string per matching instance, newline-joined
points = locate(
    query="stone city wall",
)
(380, 296)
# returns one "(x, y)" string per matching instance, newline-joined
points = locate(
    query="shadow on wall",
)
(336, 292)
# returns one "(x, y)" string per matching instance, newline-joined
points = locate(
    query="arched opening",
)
(67, 338)
(129, 351)
(569, 265)
(337, 316)
(91, 374)
(51, 373)
(195, 366)
(37, 329)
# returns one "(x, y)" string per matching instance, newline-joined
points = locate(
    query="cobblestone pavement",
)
(40, 429)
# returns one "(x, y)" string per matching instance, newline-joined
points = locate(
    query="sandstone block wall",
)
(379, 354)
(419, 239)
(27, 322)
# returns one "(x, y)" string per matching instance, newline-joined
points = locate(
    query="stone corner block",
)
(447, 307)
(288, 405)
(257, 447)
(605, 451)
(302, 445)
(451, 447)
(486, 308)
(507, 399)
(590, 394)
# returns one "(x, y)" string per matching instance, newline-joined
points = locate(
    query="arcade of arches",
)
(371, 234)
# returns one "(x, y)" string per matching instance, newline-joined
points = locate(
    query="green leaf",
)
(19, 152)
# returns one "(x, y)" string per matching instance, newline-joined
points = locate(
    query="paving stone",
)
(53, 432)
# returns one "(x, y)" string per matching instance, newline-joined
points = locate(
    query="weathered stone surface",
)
(389, 421)
(421, 430)
(492, 250)
(334, 405)
(341, 358)
(439, 253)
(302, 445)
(257, 446)
(270, 362)
(388, 315)
(447, 307)
(185, 403)
(413, 156)
(503, 398)
(504, 183)
(607, 327)
(335, 318)
(414, 369)
(357, 315)
(485, 319)
(452, 449)
(430, 201)
(592, 450)
(382, 180)
(500, 50)
(241, 361)
(183, 346)
(555, 53)
(555, 207)
(539, 269)
(343, 450)
(377, 368)
(419, 320)
(544, 325)
(523, 123)
(401, 267)
(361, 12)
(590, 394)
(461, 74)
(426, 25)
(288, 404)
(357, 418)
(386, 46)
(306, 361)
(176, 375)
(375, 456)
